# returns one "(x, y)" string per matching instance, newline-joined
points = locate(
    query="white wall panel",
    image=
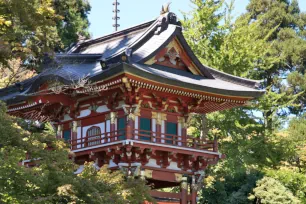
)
(102, 109)
(179, 133)
(136, 127)
(84, 113)
(163, 131)
(108, 124)
(154, 129)
(79, 133)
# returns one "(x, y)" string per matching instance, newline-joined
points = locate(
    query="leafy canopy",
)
(51, 179)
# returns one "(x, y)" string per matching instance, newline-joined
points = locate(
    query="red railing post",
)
(194, 141)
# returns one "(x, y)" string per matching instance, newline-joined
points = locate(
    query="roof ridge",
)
(110, 36)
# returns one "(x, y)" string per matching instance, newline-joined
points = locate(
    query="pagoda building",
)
(125, 100)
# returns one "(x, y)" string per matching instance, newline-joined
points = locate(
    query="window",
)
(171, 128)
(121, 125)
(66, 135)
(145, 124)
(94, 135)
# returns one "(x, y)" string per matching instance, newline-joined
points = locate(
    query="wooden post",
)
(113, 117)
(158, 133)
(182, 121)
(113, 128)
(184, 136)
(193, 191)
(74, 134)
(184, 190)
(129, 128)
(59, 132)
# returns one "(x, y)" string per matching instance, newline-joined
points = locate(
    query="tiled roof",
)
(183, 79)
(138, 43)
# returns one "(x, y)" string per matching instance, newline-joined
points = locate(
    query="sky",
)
(133, 12)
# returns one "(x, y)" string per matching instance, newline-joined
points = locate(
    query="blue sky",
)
(133, 12)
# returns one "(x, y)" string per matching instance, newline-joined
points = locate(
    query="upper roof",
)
(138, 47)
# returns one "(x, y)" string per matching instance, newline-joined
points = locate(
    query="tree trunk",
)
(268, 115)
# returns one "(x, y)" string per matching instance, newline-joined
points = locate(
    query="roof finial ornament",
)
(116, 17)
(165, 8)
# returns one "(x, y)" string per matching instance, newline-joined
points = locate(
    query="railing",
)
(145, 136)
(95, 140)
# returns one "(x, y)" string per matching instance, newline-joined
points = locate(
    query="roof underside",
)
(137, 44)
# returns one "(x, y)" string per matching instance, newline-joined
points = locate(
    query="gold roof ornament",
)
(165, 8)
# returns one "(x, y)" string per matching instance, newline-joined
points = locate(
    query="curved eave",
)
(234, 79)
(137, 71)
(18, 97)
(149, 74)
(145, 73)
(77, 56)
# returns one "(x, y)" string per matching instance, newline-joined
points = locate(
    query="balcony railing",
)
(145, 136)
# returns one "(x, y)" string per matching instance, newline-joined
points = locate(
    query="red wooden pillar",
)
(160, 118)
(193, 191)
(130, 128)
(182, 121)
(184, 135)
(74, 134)
(158, 132)
(184, 190)
(113, 118)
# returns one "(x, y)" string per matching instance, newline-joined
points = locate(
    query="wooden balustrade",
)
(145, 136)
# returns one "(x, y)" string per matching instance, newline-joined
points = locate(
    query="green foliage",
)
(269, 190)
(266, 43)
(294, 181)
(51, 179)
(32, 28)
(202, 29)
(74, 20)
(297, 140)
(229, 186)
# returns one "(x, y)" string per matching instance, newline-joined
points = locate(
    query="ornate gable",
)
(174, 56)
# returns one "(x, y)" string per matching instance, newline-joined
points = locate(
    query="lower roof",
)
(69, 73)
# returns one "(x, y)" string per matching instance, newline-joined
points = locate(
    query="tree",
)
(291, 179)
(73, 23)
(269, 190)
(13, 73)
(31, 29)
(51, 179)
(266, 43)
(232, 187)
(296, 137)
(287, 43)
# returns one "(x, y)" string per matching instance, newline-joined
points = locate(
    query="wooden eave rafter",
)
(138, 81)
(126, 78)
